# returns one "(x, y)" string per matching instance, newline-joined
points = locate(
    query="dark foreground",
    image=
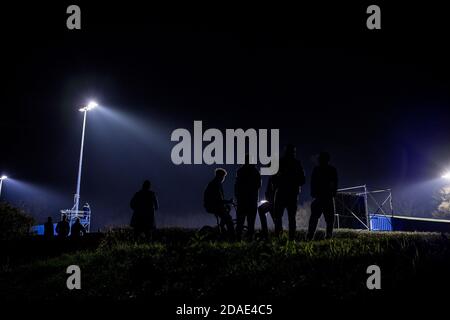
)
(186, 267)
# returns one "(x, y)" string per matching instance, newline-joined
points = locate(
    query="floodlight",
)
(91, 105)
(3, 177)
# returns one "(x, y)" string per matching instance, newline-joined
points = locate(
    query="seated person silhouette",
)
(215, 203)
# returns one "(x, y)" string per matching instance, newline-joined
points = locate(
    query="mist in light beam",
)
(39, 201)
(149, 132)
(417, 199)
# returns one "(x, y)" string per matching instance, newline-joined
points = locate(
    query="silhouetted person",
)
(63, 228)
(267, 207)
(324, 182)
(77, 230)
(48, 229)
(288, 180)
(215, 203)
(246, 191)
(144, 204)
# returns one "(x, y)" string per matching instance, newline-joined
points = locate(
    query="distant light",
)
(446, 175)
(91, 105)
(262, 202)
(3, 177)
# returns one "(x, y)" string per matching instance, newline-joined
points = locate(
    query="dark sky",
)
(378, 101)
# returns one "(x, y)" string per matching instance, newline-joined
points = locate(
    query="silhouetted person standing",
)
(144, 204)
(215, 203)
(48, 229)
(324, 182)
(63, 228)
(288, 180)
(77, 230)
(246, 191)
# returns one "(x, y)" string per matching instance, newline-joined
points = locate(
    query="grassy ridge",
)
(181, 263)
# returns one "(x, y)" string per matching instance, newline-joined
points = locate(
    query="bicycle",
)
(217, 231)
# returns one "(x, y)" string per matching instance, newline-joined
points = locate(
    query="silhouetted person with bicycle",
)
(324, 183)
(77, 230)
(215, 203)
(287, 182)
(246, 191)
(144, 204)
(48, 229)
(63, 228)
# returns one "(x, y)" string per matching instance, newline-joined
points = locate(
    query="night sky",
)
(378, 101)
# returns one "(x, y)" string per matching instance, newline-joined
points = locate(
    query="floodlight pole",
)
(1, 183)
(80, 165)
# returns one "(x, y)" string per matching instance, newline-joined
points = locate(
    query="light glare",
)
(91, 105)
(446, 175)
(4, 177)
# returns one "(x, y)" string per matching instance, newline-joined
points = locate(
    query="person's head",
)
(146, 185)
(291, 151)
(49, 219)
(220, 174)
(64, 217)
(323, 158)
(77, 220)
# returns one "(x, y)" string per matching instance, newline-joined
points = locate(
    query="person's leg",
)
(148, 234)
(328, 212)
(251, 217)
(219, 214)
(152, 228)
(221, 224)
(278, 217)
(316, 211)
(137, 233)
(219, 221)
(240, 219)
(272, 215)
(227, 221)
(230, 226)
(292, 214)
(264, 227)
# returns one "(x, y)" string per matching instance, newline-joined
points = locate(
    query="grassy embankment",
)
(186, 265)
